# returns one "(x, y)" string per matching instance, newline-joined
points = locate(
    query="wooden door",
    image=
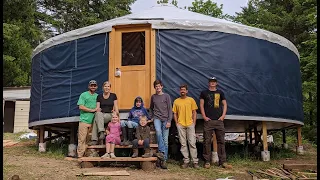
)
(132, 56)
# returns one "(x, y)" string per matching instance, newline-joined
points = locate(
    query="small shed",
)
(16, 106)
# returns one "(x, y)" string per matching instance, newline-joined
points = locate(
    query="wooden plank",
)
(264, 136)
(105, 173)
(119, 147)
(125, 159)
(112, 43)
(215, 144)
(152, 60)
(299, 138)
(300, 166)
(41, 136)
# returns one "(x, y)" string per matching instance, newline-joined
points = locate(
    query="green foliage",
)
(209, 8)
(67, 15)
(295, 20)
(173, 2)
(26, 23)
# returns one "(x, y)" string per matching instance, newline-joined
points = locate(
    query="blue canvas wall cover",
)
(62, 72)
(259, 78)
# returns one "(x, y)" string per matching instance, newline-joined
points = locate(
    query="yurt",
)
(258, 70)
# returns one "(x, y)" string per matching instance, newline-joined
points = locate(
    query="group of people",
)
(100, 110)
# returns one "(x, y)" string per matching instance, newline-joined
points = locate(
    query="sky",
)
(229, 6)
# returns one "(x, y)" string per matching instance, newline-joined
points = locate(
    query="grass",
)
(14, 136)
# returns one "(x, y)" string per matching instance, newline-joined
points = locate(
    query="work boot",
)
(125, 137)
(163, 165)
(185, 165)
(196, 166)
(130, 135)
(135, 153)
(207, 165)
(147, 153)
(92, 143)
(227, 166)
(101, 135)
(160, 155)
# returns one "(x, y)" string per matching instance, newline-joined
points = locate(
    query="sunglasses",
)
(93, 85)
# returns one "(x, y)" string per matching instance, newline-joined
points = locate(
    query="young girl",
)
(113, 132)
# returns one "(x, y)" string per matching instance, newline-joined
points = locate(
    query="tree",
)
(67, 15)
(173, 2)
(20, 35)
(209, 8)
(295, 20)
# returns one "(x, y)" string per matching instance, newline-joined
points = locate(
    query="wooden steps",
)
(119, 146)
(117, 159)
(146, 164)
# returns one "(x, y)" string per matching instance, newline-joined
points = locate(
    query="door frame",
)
(113, 51)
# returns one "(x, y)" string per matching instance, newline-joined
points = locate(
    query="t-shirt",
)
(90, 101)
(184, 108)
(160, 107)
(106, 105)
(213, 103)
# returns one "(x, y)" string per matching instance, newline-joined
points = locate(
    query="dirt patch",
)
(24, 160)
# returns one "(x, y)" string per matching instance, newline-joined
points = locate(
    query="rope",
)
(105, 44)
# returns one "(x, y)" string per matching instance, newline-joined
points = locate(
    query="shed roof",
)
(13, 94)
(166, 16)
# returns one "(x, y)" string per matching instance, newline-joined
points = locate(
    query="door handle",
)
(117, 72)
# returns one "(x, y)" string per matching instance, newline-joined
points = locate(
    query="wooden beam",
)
(215, 144)
(72, 134)
(41, 134)
(264, 136)
(127, 159)
(284, 141)
(112, 40)
(153, 59)
(250, 135)
(299, 137)
(105, 173)
(118, 146)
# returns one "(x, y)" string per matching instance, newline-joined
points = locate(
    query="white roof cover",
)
(165, 16)
(16, 94)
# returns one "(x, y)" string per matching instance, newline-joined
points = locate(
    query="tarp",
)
(259, 78)
(61, 73)
(165, 16)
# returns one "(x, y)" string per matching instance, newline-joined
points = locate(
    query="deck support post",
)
(265, 154)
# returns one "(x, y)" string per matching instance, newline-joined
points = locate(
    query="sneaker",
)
(185, 165)
(106, 155)
(196, 166)
(227, 166)
(158, 163)
(207, 165)
(112, 155)
(160, 156)
(163, 165)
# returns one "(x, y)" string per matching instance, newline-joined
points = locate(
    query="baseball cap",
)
(92, 82)
(212, 79)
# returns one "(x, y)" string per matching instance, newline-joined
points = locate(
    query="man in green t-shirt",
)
(88, 106)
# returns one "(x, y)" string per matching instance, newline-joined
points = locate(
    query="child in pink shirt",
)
(113, 132)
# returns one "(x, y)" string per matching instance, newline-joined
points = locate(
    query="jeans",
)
(162, 136)
(146, 143)
(129, 124)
